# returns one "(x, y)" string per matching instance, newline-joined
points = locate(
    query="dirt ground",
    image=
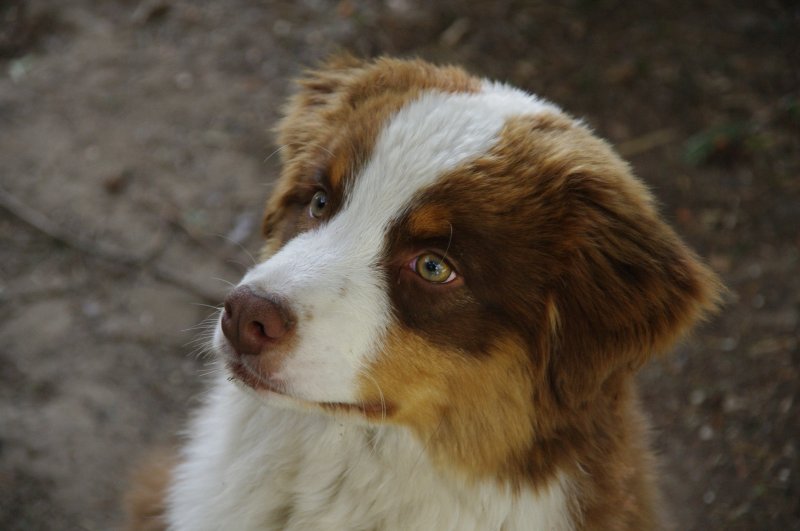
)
(135, 155)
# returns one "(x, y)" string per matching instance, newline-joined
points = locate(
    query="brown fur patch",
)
(145, 501)
(429, 221)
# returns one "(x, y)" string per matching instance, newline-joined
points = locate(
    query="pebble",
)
(697, 397)
(729, 343)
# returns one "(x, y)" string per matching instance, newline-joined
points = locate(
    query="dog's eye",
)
(433, 268)
(318, 204)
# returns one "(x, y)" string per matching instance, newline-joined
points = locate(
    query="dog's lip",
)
(243, 373)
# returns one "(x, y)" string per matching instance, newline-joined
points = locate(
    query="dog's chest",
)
(249, 466)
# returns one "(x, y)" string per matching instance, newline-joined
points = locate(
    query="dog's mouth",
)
(241, 372)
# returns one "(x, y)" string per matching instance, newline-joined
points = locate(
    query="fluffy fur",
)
(376, 399)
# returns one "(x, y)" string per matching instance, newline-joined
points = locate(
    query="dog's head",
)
(448, 253)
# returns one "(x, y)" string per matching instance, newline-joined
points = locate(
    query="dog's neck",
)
(278, 468)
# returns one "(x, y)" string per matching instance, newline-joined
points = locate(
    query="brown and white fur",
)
(357, 393)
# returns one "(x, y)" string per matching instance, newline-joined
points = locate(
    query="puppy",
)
(458, 284)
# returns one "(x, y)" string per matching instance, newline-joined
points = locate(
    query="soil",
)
(135, 155)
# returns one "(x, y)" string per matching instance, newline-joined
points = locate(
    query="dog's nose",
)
(254, 323)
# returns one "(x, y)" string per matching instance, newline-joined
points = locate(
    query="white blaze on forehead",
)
(430, 136)
(332, 274)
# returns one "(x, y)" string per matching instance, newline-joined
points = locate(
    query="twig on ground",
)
(98, 250)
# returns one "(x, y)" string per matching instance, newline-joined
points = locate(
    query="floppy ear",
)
(304, 130)
(317, 95)
(632, 287)
(344, 83)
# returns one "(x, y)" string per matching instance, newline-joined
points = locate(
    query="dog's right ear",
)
(305, 129)
(307, 111)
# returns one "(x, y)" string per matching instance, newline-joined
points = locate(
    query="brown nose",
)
(254, 323)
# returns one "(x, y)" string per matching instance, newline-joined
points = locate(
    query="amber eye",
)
(318, 204)
(433, 268)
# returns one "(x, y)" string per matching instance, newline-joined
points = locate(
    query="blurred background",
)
(136, 153)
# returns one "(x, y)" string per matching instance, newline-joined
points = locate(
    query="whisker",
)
(239, 245)
(380, 391)
(215, 308)
(228, 282)
(278, 150)
(449, 241)
(210, 370)
(311, 144)
(203, 334)
(427, 443)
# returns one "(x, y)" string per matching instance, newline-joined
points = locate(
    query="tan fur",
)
(145, 501)
(429, 221)
(478, 432)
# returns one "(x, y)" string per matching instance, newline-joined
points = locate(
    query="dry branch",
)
(133, 262)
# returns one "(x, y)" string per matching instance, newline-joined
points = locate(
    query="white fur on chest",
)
(251, 466)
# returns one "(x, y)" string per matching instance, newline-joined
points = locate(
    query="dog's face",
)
(450, 254)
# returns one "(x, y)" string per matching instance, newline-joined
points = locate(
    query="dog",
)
(458, 285)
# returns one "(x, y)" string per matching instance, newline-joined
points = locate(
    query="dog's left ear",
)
(631, 287)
